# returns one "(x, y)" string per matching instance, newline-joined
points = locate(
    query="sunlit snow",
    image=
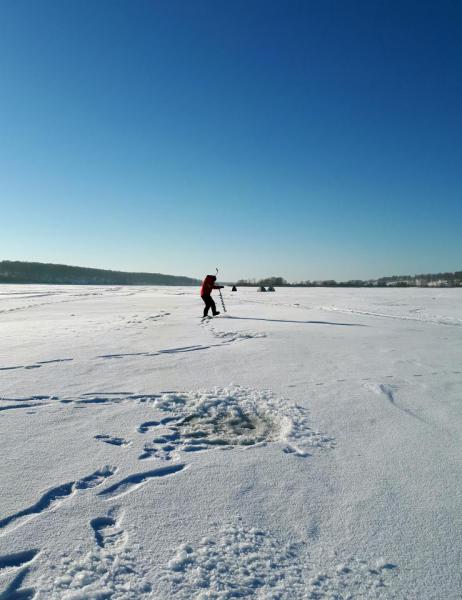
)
(305, 444)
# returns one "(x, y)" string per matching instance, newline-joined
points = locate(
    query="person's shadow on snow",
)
(301, 322)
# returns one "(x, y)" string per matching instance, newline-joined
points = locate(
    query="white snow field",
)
(304, 445)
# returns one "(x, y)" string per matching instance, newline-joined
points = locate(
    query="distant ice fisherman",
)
(206, 294)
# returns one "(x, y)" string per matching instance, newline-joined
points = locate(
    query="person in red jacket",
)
(206, 294)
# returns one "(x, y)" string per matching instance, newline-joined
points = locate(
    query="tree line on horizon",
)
(34, 272)
(50, 273)
(444, 279)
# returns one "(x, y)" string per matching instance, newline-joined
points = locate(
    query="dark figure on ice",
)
(206, 290)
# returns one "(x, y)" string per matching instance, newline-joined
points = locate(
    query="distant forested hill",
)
(32, 272)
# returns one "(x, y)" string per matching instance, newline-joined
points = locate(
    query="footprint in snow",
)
(17, 564)
(114, 441)
(108, 531)
(53, 497)
(230, 336)
(14, 591)
(136, 480)
(16, 560)
(109, 570)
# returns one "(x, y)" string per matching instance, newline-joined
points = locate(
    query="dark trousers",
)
(209, 303)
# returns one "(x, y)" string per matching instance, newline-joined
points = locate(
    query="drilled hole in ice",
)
(227, 426)
(235, 417)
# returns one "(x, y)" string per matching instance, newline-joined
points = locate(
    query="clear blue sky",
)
(306, 139)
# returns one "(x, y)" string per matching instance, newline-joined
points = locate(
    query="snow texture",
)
(109, 570)
(303, 446)
(248, 562)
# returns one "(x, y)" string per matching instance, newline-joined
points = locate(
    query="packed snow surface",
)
(303, 445)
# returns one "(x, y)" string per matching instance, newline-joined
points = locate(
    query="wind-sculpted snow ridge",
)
(230, 417)
(423, 318)
(249, 563)
(108, 570)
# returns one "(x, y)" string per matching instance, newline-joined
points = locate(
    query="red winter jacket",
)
(208, 285)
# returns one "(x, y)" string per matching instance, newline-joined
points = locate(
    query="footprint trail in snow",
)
(230, 336)
(54, 497)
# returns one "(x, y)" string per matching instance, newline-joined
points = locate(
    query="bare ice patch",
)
(230, 417)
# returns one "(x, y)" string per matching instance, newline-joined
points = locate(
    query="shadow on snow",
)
(301, 322)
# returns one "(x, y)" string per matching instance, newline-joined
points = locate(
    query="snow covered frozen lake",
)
(304, 445)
